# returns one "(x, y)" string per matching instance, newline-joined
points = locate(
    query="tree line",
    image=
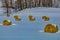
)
(23, 4)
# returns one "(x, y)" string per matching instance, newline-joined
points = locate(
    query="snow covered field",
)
(27, 30)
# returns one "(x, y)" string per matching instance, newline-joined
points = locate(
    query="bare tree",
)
(7, 7)
(19, 4)
(43, 3)
(51, 3)
(30, 3)
(25, 3)
(48, 3)
(39, 2)
(11, 4)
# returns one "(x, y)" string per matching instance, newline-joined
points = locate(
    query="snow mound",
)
(41, 31)
(12, 24)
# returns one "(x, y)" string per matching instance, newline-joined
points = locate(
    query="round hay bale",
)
(17, 18)
(31, 18)
(45, 18)
(7, 22)
(51, 28)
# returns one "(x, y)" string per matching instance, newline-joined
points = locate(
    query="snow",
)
(54, 25)
(30, 30)
(39, 12)
(27, 30)
(9, 21)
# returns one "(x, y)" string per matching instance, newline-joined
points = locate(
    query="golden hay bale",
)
(17, 18)
(51, 28)
(45, 18)
(31, 18)
(7, 22)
